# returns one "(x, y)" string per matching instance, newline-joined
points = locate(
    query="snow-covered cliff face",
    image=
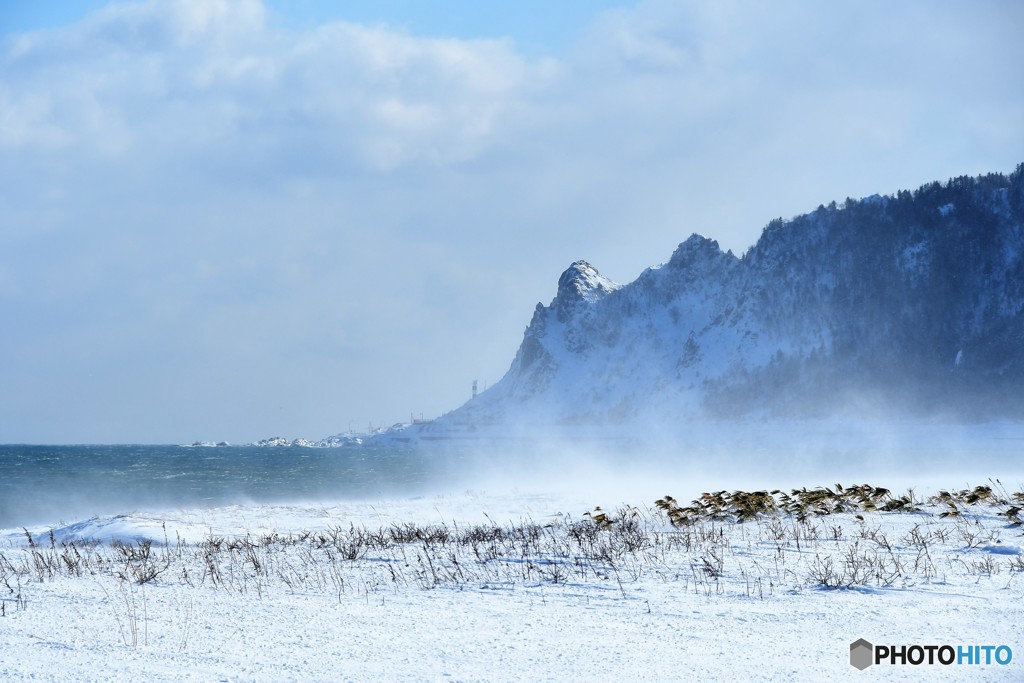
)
(911, 303)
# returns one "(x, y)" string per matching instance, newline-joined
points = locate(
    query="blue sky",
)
(232, 219)
(537, 27)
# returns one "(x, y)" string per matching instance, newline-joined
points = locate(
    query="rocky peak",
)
(580, 284)
(696, 251)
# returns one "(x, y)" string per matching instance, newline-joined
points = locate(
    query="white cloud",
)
(174, 79)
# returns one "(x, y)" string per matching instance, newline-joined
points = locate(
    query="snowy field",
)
(503, 585)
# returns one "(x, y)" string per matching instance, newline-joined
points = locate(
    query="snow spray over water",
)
(753, 456)
(47, 485)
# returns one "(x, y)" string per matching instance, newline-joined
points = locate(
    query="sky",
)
(234, 219)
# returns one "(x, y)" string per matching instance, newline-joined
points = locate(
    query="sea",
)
(55, 484)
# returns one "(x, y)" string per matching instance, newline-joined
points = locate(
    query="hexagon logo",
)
(861, 654)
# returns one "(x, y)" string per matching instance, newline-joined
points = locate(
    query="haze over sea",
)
(48, 484)
(58, 485)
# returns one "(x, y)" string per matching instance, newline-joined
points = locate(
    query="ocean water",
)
(52, 484)
(57, 485)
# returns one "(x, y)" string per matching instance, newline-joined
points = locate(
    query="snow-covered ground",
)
(505, 585)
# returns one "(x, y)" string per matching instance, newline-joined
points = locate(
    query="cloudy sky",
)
(227, 219)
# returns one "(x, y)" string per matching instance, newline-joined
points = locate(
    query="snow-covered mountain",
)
(908, 304)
